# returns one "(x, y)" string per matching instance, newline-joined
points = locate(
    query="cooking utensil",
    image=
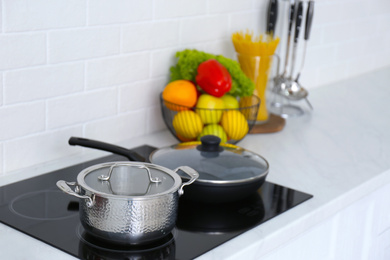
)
(129, 154)
(128, 202)
(289, 87)
(226, 172)
(290, 24)
(281, 81)
(295, 91)
(272, 16)
(298, 21)
(309, 20)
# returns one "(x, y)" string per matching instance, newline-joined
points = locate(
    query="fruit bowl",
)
(190, 123)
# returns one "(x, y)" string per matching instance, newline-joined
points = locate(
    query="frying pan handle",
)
(131, 155)
(190, 172)
(64, 186)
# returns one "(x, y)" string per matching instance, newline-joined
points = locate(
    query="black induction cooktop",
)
(37, 208)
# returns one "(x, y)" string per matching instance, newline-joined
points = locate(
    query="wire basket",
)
(190, 123)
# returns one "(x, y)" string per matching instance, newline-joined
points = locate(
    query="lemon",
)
(187, 124)
(230, 101)
(234, 124)
(214, 129)
(209, 108)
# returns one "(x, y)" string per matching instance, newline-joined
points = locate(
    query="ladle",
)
(298, 21)
(296, 90)
(309, 20)
(290, 88)
(280, 80)
(287, 86)
(290, 23)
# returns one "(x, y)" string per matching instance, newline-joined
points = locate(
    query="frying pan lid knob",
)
(210, 146)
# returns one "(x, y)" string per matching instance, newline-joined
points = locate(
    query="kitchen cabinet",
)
(360, 231)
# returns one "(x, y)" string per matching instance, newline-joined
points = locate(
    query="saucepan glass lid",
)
(129, 179)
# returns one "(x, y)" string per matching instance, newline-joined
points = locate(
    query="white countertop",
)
(338, 153)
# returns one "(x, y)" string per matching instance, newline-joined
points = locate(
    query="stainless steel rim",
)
(233, 182)
(81, 180)
(224, 182)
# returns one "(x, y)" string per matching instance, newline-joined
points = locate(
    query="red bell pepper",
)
(213, 78)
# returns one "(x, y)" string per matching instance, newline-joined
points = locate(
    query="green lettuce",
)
(189, 60)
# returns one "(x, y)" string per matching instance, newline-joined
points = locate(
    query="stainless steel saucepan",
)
(128, 202)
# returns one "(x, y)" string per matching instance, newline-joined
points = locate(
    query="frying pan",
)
(227, 172)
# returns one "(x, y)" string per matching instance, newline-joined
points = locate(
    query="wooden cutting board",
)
(274, 124)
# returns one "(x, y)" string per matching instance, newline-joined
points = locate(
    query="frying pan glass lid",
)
(215, 162)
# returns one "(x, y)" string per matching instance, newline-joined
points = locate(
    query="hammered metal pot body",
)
(128, 202)
(129, 221)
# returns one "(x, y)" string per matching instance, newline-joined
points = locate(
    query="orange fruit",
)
(180, 94)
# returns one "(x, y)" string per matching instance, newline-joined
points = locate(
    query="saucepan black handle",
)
(131, 155)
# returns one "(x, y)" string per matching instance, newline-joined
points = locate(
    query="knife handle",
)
(309, 19)
(298, 21)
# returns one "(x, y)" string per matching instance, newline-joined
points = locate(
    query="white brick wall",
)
(1, 89)
(101, 12)
(167, 9)
(95, 68)
(150, 35)
(81, 107)
(22, 15)
(82, 44)
(22, 119)
(22, 50)
(43, 82)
